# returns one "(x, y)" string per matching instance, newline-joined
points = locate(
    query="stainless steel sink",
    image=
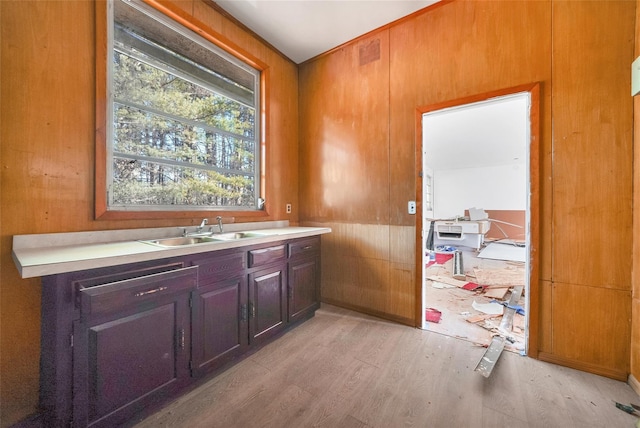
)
(202, 239)
(237, 235)
(180, 241)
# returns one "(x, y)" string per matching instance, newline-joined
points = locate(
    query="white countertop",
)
(54, 253)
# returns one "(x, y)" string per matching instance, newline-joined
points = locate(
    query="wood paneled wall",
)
(356, 172)
(592, 185)
(580, 52)
(635, 329)
(47, 58)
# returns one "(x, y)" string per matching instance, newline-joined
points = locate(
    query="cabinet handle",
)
(252, 309)
(154, 290)
(308, 247)
(182, 338)
(243, 313)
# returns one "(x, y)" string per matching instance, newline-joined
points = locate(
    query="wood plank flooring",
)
(344, 369)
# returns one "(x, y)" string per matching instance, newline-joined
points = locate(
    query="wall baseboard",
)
(585, 367)
(634, 384)
(389, 317)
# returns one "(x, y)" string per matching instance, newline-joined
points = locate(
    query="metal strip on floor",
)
(493, 352)
(491, 355)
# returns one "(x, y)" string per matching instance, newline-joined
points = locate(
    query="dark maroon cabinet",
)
(304, 277)
(131, 345)
(117, 342)
(303, 294)
(219, 313)
(267, 303)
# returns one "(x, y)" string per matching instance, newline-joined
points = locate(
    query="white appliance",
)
(461, 233)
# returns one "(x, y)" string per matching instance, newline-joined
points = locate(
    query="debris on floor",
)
(432, 315)
(632, 410)
(509, 276)
(496, 292)
(492, 308)
(447, 280)
(487, 284)
(487, 363)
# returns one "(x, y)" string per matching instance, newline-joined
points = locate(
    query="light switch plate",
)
(635, 77)
(411, 207)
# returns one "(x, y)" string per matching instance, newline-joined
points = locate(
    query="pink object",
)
(442, 258)
(471, 286)
(432, 315)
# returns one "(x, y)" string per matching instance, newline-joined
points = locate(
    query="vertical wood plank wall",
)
(357, 158)
(356, 167)
(592, 185)
(635, 329)
(47, 155)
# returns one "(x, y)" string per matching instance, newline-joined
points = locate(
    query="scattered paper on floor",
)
(488, 308)
(436, 284)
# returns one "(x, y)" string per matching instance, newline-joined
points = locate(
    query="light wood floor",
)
(344, 369)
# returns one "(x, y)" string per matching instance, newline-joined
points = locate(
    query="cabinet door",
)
(128, 359)
(220, 323)
(267, 303)
(304, 298)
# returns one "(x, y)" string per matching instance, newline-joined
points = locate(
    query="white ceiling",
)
(481, 135)
(302, 29)
(490, 133)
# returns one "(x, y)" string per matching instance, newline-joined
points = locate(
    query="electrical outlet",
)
(411, 207)
(288, 208)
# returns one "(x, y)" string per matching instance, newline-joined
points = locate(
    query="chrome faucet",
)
(202, 225)
(219, 219)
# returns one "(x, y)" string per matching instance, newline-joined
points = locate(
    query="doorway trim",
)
(534, 90)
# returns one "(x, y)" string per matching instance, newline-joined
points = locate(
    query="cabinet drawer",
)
(217, 267)
(119, 295)
(305, 247)
(264, 256)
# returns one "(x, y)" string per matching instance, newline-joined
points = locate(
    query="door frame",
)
(534, 90)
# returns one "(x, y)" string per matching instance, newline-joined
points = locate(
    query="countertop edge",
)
(147, 252)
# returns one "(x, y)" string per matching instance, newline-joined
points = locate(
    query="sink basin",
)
(237, 235)
(180, 241)
(204, 239)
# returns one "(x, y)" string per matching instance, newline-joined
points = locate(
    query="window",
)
(428, 193)
(182, 118)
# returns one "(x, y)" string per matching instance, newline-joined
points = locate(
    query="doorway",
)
(478, 195)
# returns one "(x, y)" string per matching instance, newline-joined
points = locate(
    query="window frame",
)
(102, 169)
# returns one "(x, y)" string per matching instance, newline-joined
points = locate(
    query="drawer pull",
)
(182, 338)
(154, 290)
(308, 247)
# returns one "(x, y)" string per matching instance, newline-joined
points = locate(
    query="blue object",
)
(519, 309)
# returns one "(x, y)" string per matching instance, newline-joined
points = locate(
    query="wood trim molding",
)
(215, 6)
(100, 196)
(534, 89)
(100, 155)
(633, 383)
(419, 224)
(206, 32)
(368, 311)
(380, 29)
(585, 367)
